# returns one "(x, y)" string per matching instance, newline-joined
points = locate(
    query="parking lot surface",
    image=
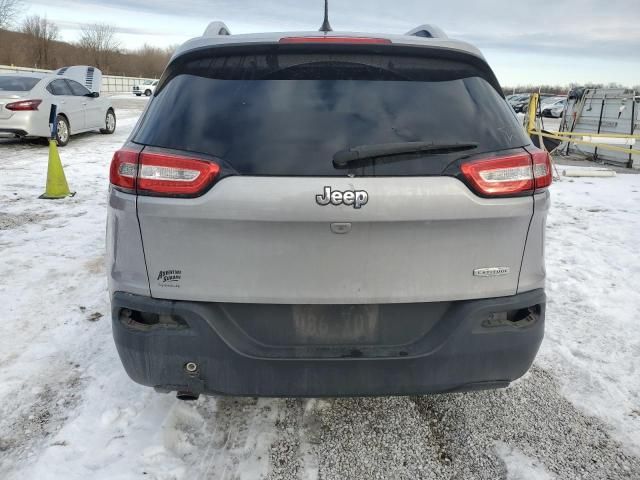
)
(68, 410)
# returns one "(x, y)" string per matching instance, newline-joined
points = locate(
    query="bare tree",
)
(100, 40)
(42, 34)
(152, 60)
(19, 48)
(9, 10)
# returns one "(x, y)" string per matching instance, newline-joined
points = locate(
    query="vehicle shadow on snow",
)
(43, 142)
(33, 142)
(433, 436)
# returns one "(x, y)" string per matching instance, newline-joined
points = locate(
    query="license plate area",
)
(328, 331)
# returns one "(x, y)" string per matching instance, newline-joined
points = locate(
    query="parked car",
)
(25, 104)
(520, 103)
(554, 109)
(316, 214)
(146, 88)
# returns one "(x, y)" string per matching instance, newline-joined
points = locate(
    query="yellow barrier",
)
(605, 135)
(584, 142)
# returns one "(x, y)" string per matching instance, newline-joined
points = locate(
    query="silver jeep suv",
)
(314, 214)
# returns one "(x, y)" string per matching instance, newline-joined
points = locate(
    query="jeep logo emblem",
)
(357, 198)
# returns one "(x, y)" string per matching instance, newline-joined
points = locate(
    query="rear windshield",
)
(17, 84)
(289, 115)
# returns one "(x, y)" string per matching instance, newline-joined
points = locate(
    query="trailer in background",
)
(602, 111)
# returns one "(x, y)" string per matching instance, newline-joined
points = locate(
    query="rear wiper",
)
(395, 152)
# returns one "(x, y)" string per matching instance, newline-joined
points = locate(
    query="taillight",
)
(163, 174)
(124, 168)
(23, 105)
(160, 174)
(341, 40)
(500, 176)
(541, 169)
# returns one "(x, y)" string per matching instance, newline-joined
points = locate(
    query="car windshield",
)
(17, 83)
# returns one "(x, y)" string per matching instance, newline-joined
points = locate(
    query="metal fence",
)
(605, 110)
(110, 83)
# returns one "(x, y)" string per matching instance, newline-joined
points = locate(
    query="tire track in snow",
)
(226, 438)
(27, 425)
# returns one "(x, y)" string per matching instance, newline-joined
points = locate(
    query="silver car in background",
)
(25, 104)
(554, 109)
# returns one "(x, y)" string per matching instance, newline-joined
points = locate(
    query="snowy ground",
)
(68, 410)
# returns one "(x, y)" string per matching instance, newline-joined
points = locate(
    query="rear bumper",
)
(470, 345)
(26, 124)
(12, 132)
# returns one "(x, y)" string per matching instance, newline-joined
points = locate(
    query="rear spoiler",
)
(271, 48)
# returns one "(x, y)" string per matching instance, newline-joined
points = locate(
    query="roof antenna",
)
(326, 27)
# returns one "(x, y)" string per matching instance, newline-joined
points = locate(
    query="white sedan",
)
(147, 88)
(25, 105)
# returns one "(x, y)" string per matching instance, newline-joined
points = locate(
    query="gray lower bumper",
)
(467, 345)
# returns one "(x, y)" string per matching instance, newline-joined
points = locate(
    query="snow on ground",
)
(593, 337)
(68, 410)
(519, 466)
(127, 96)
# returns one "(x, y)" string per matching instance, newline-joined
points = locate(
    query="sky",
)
(541, 41)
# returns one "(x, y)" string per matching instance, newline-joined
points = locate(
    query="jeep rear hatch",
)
(279, 222)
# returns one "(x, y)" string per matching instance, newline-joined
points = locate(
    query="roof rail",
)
(427, 31)
(215, 29)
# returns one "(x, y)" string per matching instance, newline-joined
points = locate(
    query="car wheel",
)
(147, 93)
(109, 123)
(62, 135)
(138, 94)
